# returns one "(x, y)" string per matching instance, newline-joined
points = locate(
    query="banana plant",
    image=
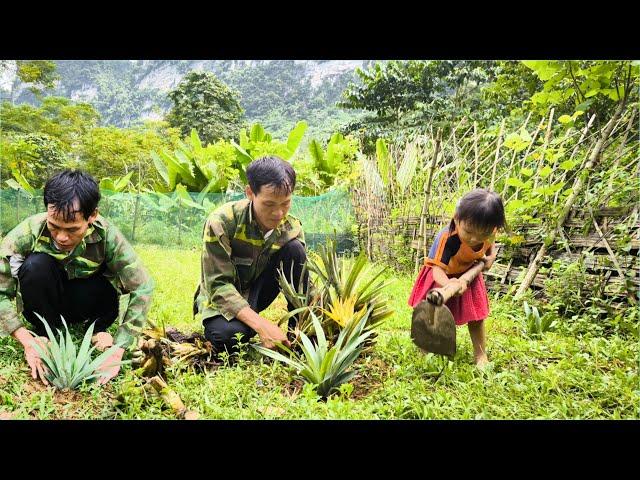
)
(199, 168)
(116, 189)
(328, 162)
(116, 185)
(259, 143)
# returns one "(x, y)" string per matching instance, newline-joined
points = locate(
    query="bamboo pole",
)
(425, 205)
(547, 136)
(616, 162)
(495, 162)
(476, 158)
(614, 259)
(576, 191)
(513, 158)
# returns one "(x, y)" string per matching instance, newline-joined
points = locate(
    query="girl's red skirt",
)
(471, 306)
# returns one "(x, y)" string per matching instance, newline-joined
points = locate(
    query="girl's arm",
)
(442, 279)
(490, 257)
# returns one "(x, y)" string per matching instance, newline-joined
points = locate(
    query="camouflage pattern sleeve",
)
(17, 242)
(132, 278)
(300, 235)
(218, 271)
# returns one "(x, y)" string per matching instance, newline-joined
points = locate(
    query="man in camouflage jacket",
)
(71, 262)
(244, 244)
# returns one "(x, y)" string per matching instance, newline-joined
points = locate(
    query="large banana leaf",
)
(408, 167)
(242, 155)
(245, 143)
(382, 156)
(185, 199)
(162, 170)
(295, 137)
(184, 164)
(196, 144)
(257, 133)
(317, 154)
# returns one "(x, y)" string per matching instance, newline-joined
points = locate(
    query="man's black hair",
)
(272, 171)
(66, 187)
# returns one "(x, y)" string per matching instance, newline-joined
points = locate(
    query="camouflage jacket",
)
(234, 254)
(103, 244)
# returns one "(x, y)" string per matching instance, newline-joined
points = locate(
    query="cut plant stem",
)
(170, 397)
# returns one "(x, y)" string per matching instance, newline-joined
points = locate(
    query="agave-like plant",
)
(303, 302)
(343, 311)
(345, 280)
(67, 366)
(338, 293)
(320, 365)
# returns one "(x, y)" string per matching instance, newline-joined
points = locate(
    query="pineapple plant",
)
(68, 366)
(323, 365)
(337, 292)
(337, 318)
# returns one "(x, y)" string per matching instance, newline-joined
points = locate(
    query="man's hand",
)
(38, 369)
(102, 340)
(34, 361)
(111, 366)
(270, 334)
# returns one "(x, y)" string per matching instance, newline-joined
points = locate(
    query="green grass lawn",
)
(557, 376)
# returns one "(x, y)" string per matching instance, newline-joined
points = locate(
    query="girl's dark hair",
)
(271, 171)
(65, 188)
(482, 209)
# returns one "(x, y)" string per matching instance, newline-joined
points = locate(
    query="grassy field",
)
(557, 376)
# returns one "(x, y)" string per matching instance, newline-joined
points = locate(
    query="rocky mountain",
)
(276, 93)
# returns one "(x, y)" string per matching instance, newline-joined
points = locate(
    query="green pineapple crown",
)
(67, 366)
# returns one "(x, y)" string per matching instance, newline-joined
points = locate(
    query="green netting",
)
(177, 219)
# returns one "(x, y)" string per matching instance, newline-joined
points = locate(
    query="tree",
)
(41, 74)
(593, 87)
(387, 89)
(57, 117)
(36, 156)
(513, 86)
(206, 104)
(114, 152)
(39, 140)
(406, 95)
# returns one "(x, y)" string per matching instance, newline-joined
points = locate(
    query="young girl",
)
(468, 238)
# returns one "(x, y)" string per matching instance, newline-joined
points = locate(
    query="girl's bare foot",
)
(481, 361)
